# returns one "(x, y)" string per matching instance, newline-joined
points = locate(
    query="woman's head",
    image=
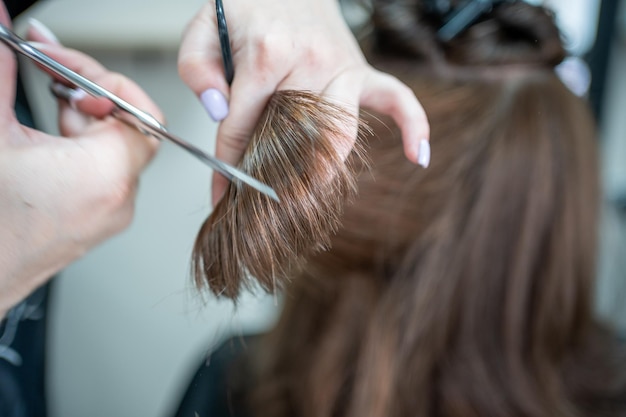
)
(487, 257)
(508, 32)
(295, 145)
(463, 289)
(485, 260)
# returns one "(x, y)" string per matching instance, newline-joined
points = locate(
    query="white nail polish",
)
(423, 156)
(43, 31)
(71, 95)
(38, 45)
(76, 95)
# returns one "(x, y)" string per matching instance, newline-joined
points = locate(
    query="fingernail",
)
(39, 45)
(72, 95)
(215, 104)
(423, 153)
(76, 95)
(43, 31)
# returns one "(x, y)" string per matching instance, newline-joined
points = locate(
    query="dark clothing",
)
(218, 386)
(22, 354)
(16, 7)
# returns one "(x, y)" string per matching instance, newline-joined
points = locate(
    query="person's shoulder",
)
(218, 387)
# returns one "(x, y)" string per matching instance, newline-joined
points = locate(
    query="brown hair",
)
(464, 289)
(251, 237)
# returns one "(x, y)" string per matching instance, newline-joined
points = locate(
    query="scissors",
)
(129, 114)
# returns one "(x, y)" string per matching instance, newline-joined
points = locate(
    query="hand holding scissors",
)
(122, 110)
(63, 195)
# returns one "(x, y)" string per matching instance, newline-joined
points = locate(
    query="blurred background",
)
(126, 327)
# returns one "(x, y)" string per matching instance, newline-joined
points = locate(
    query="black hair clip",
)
(459, 18)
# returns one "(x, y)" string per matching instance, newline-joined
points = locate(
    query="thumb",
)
(7, 72)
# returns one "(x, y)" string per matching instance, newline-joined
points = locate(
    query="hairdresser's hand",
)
(61, 196)
(295, 44)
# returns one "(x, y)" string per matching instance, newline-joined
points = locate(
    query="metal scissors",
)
(128, 113)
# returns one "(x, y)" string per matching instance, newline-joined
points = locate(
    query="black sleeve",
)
(22, 357)
(216, 388)
(16, 7)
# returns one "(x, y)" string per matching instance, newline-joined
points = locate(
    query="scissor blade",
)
(230, 172)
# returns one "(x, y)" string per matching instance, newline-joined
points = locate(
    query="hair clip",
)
(462, 16)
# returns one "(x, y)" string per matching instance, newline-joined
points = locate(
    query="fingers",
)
(385, 94)
(123, 151)
(85, 104)
(93, 70)
(350, 89)
(235, 131)
(344, 91)
(114, 82)
(218, 187)
(200, 64)
(201, 67)
(42, 38)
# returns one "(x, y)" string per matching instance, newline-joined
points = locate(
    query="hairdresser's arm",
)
(61, 196)
(295, 44)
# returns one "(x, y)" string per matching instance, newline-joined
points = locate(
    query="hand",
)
(61, 196)
(296, 44)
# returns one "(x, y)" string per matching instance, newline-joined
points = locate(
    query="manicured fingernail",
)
(423, 153)
(215, 104)
(72, 95)
(76, 95)
(39, 45)
(43, 31)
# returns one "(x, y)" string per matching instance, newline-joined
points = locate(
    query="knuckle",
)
(315, 58)
(319, 57)
(235, 141)
(152, 146)
(119, 194)
(189, 66)
(272, 49)
(237, 144)
(120, 202)
(125, 216)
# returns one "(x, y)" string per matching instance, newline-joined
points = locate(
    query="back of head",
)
(508, 32)
(464, 289)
